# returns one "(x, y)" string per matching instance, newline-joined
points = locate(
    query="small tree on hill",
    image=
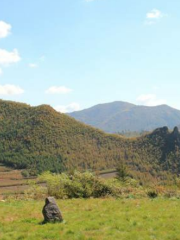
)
(122, 172)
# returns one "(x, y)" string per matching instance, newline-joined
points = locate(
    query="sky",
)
(73, 54)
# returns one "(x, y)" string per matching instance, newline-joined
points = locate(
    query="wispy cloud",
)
(68, 108)
(153, 16)
(1, 71)
(32, 65)
(37, 62)
(150, 100)
(5, 29)
(7, 57)
(58, 90)
(9, 89)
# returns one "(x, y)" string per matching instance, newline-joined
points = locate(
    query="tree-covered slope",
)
(121, 116)
(39, 138)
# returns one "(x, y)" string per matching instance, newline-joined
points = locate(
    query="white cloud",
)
(58, 90)
(9, 89)
(5, 29)
(68, 108)
(33, 65)
(153, 16)
(150, 100)
(7, 58)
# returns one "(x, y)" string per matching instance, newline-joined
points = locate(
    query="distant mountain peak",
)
(121, 116)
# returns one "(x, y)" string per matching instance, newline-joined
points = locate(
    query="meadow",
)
(127, 211)
(88, 219)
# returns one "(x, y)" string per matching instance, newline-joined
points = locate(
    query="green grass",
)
(100, 219)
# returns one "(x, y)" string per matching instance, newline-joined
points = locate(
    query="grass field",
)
(101, 219)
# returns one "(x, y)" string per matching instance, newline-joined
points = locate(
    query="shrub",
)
(170, 193)
(152, 194)
(35, 192)
(76, 185)
(122, 172)
(25, 173)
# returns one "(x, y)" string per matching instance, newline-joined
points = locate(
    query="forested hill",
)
(121, 116)
(39, 139)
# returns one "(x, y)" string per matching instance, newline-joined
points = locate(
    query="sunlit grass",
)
(143, 219)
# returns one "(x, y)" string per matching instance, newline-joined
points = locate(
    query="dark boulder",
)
(51, 211)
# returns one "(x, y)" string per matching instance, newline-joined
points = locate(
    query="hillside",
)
(121, 116)
(39, 139)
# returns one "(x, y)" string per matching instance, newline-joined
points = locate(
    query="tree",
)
(122, 172)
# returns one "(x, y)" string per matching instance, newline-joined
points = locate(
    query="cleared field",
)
(12, 181)
(99, 219)
(8, 174)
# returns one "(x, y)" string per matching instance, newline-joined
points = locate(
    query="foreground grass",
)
(100, 219)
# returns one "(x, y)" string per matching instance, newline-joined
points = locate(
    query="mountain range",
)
(122, 116)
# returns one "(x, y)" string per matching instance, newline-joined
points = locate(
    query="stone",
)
(51, 211)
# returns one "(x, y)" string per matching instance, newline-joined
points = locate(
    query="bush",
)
(25, 173)
(152, 194)
(77, 185)
(35, 191)
(122, 172)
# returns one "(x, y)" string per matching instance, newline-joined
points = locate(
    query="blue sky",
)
(73, 54)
